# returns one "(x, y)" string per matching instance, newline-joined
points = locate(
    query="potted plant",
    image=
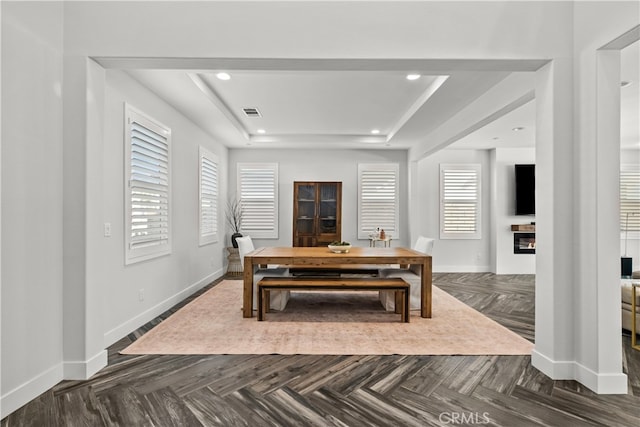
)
(234, 219)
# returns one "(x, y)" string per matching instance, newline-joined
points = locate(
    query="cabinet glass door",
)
(328, 208)
(306, 209)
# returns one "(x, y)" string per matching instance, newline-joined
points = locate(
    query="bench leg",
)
(406, 308)
(398, 302)
(267, 301)
(261, 292)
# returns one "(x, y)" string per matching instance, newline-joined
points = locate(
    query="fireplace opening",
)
(524, 243)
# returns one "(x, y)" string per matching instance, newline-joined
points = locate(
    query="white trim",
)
(461, 235)
(209, 156)
(134, 323)
(571, 370)
(556, 370)
(271, 231)
(84, 369)
(368, 224)
(461, 269)
(630, 173)
(140, 252)
(29, 390)
(601, 383)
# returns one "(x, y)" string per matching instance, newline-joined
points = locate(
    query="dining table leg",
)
(426, 295)
(247, 294)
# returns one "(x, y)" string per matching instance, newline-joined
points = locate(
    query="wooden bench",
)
(291, 283)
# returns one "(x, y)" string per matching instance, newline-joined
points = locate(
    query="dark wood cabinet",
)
(317, 212)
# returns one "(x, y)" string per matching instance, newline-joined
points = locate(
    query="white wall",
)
(452, 255)
(503, 201)
(168, 279)
(322, 165)
(31, 339)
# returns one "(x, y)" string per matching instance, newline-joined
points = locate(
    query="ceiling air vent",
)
(251, 112)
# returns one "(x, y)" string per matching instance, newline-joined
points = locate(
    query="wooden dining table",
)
(323, 258)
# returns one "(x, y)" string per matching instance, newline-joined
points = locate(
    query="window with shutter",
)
(147, 192)
(378, 204)
(208, 197)
(629, 198)
(460, 201)
(258, 193)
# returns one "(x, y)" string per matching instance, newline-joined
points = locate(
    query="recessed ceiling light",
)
(413, 76)
(375, 131)
(625, 83)
(519, 128)
(223, 76)
(261, 131)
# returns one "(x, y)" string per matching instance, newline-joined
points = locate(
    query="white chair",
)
(279, 299)
(387, 298)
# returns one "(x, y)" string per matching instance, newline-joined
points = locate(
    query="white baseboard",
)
(84, 369)
(14, 399)
(461, 269)
(601, 383)
(556, 370)
(572, 370)
(134, 323)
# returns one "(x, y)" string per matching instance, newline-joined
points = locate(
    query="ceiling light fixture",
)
(375, 131)
(413, 76)
(261, 131)
(223, 76)
(518, 129)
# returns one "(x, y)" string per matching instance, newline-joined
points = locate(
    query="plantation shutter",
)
(258, 185)
(377, 199)
(629, 198)
(208, 197)
(148, 219)
(460, 201)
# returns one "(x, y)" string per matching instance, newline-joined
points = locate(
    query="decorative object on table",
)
(380, 237)
(234, 219)
(339, 247)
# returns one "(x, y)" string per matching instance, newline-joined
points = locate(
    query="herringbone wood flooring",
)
(274, 390)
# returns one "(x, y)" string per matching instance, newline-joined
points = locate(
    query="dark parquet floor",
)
(272, 390)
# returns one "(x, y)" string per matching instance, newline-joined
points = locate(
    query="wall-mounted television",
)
(525, 189)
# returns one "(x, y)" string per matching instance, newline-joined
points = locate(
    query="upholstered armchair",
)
(626, 303)
(387, 298)
(278, 299)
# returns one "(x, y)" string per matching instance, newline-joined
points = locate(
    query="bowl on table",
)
(339, 249)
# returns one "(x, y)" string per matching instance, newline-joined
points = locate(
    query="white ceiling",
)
(338, 107)
(630, 97)
(500, 133)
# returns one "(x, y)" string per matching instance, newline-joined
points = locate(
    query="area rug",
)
(331, 323)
